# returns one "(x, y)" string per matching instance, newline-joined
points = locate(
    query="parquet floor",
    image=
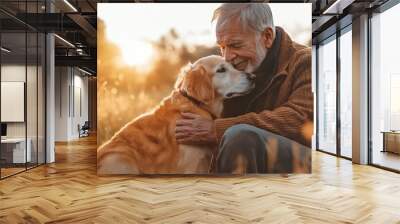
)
(69, 191)
(387, 159)
(9, 171)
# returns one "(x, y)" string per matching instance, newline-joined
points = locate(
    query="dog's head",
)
(211, 78)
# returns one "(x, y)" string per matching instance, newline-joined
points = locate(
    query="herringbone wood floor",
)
(69, 191)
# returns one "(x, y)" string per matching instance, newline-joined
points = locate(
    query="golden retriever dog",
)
(147, 144)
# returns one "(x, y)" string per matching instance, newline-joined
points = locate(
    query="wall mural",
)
(204, 88)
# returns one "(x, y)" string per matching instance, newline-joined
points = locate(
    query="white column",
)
(360, 90)
(50, 93)
(50, 110)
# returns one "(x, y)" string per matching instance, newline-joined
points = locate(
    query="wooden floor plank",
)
(69, 191)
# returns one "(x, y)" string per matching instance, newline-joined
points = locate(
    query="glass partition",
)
(22, 90)
(41, 109)
(14, 151)
(32, 95)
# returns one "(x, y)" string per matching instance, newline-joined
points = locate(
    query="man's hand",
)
(193, 129)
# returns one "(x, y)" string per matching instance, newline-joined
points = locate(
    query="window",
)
(385, 85)
(346, 92)
(327, 95)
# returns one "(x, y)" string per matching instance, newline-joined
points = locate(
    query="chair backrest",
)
(86, 125)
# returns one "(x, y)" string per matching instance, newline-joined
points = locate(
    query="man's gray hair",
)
(256, 16)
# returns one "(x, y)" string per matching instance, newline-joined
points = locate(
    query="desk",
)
(15, 148)
(391, 141)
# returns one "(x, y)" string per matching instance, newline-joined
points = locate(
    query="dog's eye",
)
(221, 70)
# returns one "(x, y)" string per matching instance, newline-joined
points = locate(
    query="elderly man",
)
(266, 131)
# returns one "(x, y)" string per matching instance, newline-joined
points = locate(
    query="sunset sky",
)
(133, 25)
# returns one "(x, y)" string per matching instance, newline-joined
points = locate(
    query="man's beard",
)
(261, 53)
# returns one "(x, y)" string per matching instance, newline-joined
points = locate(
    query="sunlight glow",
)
(136, 53)
(134, 26)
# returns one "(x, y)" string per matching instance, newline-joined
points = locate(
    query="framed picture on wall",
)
(12, 101)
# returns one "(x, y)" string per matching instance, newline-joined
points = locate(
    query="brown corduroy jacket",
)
(286, 107)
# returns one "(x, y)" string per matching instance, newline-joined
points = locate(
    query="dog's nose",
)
(250, 76)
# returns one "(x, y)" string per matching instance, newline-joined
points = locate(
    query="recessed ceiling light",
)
(5, 50)
(64, 40)
(337, 7)
(86, 72)
(71, 6)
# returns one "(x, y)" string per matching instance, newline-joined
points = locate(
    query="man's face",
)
(245, 50)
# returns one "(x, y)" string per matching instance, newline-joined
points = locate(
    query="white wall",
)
(71, 93)
(61, 103)
(80, 110)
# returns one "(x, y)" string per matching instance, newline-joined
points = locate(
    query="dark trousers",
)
(255, 150)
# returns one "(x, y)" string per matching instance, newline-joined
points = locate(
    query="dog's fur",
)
(147, 145)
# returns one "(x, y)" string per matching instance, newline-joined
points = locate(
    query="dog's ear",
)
(179, 79)
(198, 84)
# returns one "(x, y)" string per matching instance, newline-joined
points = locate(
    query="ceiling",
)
(77, 25)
